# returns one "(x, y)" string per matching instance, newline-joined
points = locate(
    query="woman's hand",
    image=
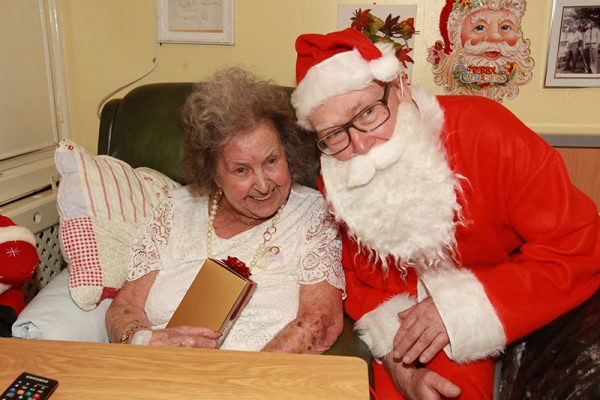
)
(185, 336)
(419, 383)
(127, 310)
(422, 333)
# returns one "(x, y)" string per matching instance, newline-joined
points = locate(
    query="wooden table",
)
(115, 371)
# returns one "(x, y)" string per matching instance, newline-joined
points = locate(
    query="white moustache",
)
(362, 167)
(503, 48)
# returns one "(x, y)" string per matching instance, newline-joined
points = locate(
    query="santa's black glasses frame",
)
(337, 139)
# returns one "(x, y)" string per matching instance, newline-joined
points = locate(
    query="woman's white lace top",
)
(173, 242)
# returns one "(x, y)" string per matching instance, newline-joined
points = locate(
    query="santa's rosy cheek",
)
(511, 39)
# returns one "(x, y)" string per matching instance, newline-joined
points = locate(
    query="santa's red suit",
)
(530, 239)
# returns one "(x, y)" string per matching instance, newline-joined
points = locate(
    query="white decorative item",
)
(195, 21)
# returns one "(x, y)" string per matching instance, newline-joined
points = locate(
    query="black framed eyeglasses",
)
(337, 139)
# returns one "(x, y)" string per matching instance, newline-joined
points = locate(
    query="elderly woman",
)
(242, 155)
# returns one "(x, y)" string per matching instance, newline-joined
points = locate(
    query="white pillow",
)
(52, 315)
(102, 201)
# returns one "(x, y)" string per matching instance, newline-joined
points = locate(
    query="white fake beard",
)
(399, 200)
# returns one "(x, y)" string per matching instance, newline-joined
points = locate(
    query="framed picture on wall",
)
(574, 50)
(195, 21)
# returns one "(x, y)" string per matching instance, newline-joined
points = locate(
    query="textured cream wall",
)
(110, 42)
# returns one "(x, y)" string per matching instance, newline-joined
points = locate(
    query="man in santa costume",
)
(462, 231)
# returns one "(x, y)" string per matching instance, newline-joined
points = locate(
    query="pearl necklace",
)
(262, 247)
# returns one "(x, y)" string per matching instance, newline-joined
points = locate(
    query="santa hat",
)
(18, 257)
(455, 11)
(337, 63)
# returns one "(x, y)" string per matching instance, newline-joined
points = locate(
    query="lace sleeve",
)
(153, 235)
(322, 259)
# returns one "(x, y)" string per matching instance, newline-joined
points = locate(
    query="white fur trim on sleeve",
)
(474, 329)
(377, 328)
(16, 233)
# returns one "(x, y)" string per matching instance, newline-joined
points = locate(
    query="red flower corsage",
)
(238, 266)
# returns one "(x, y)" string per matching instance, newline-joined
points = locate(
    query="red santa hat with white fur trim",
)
(336, 63)
(18, 257)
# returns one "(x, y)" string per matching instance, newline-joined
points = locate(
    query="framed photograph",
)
(195, 21)
(574, 51)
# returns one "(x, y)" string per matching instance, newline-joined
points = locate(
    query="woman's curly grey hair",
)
(231, 102)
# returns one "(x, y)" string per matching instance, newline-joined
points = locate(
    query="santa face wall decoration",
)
(483, 50)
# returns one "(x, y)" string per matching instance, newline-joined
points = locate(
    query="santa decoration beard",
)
(473, 55)
(405, 206)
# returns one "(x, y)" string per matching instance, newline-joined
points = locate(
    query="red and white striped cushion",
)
(101, 201)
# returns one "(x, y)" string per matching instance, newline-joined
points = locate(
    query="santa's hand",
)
(185, 336)
(419, 383)
(422, 333)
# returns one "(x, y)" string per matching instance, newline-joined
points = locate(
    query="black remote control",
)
(29, 386)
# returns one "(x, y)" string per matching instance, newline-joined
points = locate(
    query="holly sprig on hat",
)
(392, 30)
